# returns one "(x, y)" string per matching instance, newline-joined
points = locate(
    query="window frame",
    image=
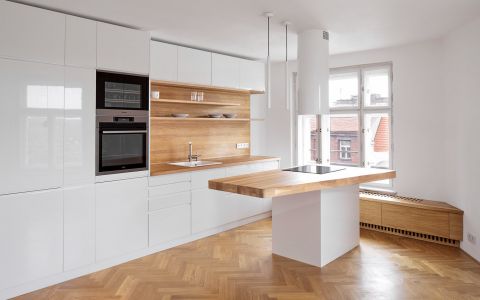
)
(345, 154)
(362, 109)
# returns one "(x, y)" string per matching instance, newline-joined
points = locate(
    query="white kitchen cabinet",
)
(194, 66)
(121, 217)
(122, 49)
(200, 178)
(30, 33)
(211, 208)
(32, 119)
(80, 42)
(79, 130)
(252, 75)
(225, 71)
(31, 236)
(163, 61)
(79, 226)
(170, 178)
(169, 224)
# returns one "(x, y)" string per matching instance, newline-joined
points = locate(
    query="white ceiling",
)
(238, 27)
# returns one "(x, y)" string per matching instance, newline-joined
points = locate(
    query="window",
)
(344, 146)
(360, 117)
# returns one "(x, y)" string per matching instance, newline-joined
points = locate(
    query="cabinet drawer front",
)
(239, 170)
(370, 212)
(166, 179)
(169, 224)
(168, 189)
(200, 178)
(417, 220)
(163, 201)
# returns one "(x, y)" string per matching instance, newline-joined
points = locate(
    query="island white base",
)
(316, 227)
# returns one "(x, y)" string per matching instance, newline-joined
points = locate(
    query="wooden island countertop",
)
(165, 168)
(281, 183)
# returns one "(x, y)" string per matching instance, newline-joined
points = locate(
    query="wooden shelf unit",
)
(204, 87)
(173, 101)
(211, 137)
(200, 119)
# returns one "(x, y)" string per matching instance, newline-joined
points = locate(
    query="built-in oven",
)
(122, 91)
(122, 141)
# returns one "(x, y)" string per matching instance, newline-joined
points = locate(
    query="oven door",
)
(121, 148)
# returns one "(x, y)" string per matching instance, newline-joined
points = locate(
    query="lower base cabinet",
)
(211, 209)
(31, 236)
(121, 217)
(79, 226)
(169, 224)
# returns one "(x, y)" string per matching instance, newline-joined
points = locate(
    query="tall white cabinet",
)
(31, 235)
(32, 125)
(80, 42)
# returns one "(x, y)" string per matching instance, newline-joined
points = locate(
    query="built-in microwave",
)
(122, 141)
(122, 91)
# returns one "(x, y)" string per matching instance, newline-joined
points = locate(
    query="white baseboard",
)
(61, 277)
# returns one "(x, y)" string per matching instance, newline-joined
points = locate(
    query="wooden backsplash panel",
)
(211, 138)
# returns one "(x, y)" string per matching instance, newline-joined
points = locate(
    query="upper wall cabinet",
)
(163, 61)
(225, 71)
(32, 122)
(194, 66)
(81, 42)
(252, 75)
(30, 33)
(122, 49)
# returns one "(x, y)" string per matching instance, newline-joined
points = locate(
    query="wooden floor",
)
(238, 264)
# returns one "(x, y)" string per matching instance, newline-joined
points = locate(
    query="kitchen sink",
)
(192, 164)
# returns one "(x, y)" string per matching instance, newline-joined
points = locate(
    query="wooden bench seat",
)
(428, 220)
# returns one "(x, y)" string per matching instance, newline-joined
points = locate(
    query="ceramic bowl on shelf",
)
(180, 115)
(229, 115)
(215, 115)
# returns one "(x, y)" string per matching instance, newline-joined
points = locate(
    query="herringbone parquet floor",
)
(238, 264)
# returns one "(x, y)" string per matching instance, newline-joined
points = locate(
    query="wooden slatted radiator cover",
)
(427, 220)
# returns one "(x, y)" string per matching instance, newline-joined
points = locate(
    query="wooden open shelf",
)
(200, 119)
(194, 102)
(204, 87)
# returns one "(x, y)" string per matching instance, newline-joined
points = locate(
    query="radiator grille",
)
(411, 234)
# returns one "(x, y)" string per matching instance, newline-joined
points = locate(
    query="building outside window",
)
(360, 112)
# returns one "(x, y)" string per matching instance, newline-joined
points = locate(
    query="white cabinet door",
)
(200, 178)
(81, 42)
(163, 61)
(79, 226)
(121, 217)
(211, 209)
(252, 75)
(122, 49)
(31, 236)
(79, 130)
(225, 71)
(31, 33)
(169, 224)
(194, 66)
(31, 118)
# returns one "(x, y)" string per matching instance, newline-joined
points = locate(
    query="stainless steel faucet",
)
(192, 156)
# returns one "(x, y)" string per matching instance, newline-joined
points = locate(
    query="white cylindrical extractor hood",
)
(313, 72)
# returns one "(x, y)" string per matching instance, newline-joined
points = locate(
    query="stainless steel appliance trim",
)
(123, 131)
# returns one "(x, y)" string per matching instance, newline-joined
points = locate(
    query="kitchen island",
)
(315, 217)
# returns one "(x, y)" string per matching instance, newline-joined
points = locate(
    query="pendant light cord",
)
(268, 36)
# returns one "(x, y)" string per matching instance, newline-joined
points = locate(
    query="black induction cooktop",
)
(315, 169)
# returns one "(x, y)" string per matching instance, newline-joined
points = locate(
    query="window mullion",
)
(361, 119)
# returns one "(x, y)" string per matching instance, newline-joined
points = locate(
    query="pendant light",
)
(268, 15)
(287, 81)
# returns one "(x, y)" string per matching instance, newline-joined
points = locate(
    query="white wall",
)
(279, 120)
(462, 99)
(418, 126)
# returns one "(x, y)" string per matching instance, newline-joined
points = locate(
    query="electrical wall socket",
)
(243, 146)
(471, 238)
